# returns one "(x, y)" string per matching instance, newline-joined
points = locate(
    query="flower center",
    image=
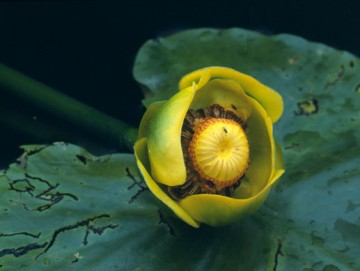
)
(219, 151)
(216, 152)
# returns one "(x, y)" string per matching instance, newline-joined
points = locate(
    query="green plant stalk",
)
(66, 107)
(43, 131)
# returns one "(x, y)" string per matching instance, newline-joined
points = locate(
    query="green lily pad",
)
(63, 208)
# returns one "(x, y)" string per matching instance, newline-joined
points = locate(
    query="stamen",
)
(217, 160)
(219, 151)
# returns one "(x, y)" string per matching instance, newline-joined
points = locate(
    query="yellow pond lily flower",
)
(208, 152)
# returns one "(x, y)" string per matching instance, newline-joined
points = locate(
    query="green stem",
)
(66, 107)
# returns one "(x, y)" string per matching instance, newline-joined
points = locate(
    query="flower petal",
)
(144, 124)
(216, 210)
(226, 93)
(279, 157)
(278, 164)
(164, 139)
(143, 163)
(260, 136)
(267, 97)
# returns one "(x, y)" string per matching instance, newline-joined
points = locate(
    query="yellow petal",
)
(278, 164)
(204, 79)
(143, 163)
(279, 157)
(144, 124)
(226, 93)
(164, 139)
(260, 136)
(267, 97)
(216, 210)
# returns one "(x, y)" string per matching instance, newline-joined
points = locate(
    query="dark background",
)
(86, 49)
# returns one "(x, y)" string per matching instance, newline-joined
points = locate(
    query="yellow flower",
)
(208, 152)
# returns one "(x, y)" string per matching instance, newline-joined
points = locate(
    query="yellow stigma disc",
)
(219, 151)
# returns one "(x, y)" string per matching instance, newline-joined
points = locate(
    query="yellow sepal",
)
(143, 163)
(267, 97)
(164, 139)
(226, 93)
(216, 210)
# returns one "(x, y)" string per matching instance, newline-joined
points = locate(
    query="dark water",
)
(86, 49)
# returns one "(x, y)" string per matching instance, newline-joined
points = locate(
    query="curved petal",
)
(261, 141)
(267, 97)
(279, 157)
(143, 163)
(144, 124)
(278, 164)
(204, 79)
(216, 210)
(227, 93)
(164, 139)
